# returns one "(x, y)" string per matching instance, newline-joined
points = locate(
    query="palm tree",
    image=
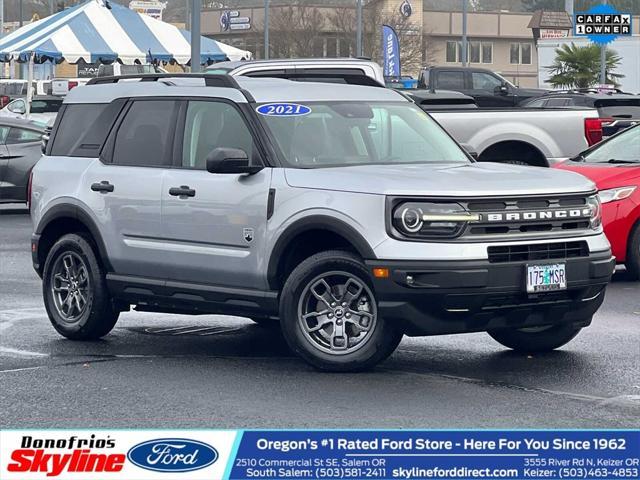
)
(579, 67)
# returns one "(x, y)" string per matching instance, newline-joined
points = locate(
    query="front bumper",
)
(471, 296)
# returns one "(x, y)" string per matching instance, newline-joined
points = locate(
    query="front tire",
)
(75, 291)
(543, 339)
(633, 254)
(329, 314)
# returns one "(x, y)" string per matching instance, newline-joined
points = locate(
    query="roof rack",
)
(210, 79)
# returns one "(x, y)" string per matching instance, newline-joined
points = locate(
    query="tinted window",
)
(20, 135)
(558, 102)
(537, 103)
(45, 106)
(451, 80)
(484, 81)
(211, 125)
(74, 121)
(145, 135)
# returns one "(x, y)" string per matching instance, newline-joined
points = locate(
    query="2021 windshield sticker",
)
(283, 109)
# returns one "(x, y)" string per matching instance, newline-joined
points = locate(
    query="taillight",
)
(72, 84)
(593, 129)
(29, 186)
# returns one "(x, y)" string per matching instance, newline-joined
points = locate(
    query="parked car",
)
(20, 149)
(11, 89)
(524, 136)
(329, 70)
(488, 88)
(344, 212)
(43, 108)
(617, 110)
(614, 165)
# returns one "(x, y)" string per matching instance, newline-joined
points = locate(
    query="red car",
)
(614, 165)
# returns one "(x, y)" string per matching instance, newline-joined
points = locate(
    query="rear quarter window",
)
(83, 128)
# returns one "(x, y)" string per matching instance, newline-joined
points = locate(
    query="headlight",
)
(596, 211)
(615, 194)
(431, 220)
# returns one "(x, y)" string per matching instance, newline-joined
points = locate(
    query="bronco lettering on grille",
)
(584, 212)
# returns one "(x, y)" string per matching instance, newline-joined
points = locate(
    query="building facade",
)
(500, 41)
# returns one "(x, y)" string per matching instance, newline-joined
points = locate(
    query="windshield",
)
(334, 134)
(624, 147)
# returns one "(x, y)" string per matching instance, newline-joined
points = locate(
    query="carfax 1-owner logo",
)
(602, 24)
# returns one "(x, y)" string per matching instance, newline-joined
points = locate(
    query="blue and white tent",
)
(102, 31)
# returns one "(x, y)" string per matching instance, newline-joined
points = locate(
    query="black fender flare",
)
(316, 222)
(79, 214)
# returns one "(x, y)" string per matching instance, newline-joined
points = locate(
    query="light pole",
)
(358, 28)
(464, 33)
(196, 6)
(603, 59)
(21, 13)
(266, 29)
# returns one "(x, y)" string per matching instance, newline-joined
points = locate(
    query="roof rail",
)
(210, 79)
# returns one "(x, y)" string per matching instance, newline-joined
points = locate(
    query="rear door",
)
(124, 188)
(214, 232)
(450, 80)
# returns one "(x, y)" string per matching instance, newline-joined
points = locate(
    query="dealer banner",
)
(316, 454)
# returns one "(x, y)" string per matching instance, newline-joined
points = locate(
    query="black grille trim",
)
(537, 251)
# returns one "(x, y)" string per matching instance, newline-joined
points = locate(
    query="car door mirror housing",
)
(230, 160)
(501, 90)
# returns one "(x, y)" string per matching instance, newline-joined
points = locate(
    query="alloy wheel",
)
(70, 286)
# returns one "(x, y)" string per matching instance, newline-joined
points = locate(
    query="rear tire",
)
(633, 254)
(534, 339)
(329, 317)
(75, 290)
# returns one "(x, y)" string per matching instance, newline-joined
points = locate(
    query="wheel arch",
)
(324, 232)
(518, 147)
(63, 219)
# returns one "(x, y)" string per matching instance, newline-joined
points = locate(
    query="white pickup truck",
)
(527, 136)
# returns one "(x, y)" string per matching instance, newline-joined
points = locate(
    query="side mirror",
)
(230, 160)
(501, 89)
(470, 150)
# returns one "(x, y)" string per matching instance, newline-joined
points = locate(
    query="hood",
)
(605, 176)
(441, 180)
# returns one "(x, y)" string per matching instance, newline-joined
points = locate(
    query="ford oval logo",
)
(172, 455)
(283, 109)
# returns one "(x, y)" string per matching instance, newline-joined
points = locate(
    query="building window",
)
(520, 53)
(487, 52)
(477, 52)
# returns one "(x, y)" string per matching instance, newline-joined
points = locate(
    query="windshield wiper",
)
(617, 160)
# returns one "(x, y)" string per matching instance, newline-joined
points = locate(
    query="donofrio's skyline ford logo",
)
(172, 455)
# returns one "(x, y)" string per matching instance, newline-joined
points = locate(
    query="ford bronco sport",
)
(343, 212)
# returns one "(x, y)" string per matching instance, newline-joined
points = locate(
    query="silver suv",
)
(343, 212)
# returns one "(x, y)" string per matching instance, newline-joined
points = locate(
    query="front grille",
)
(537, 251)
(527, 218)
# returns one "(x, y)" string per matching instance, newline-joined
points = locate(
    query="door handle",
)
(104, 186)
(182, 191)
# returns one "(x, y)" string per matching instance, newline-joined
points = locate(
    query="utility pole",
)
(464, 33)
(603, 59)
(266, 29)
(21, 13)
(51, 7)
(196, 6)
(2, 19)
(358, 28)
(186, 14)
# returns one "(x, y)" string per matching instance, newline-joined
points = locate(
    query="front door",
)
(485, 88)
(214, 224)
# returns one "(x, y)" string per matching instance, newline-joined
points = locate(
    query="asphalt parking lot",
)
(159, 370)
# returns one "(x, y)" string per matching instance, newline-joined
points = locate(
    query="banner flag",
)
(390, 52)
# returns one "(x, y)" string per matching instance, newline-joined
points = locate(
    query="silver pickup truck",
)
(525, 136)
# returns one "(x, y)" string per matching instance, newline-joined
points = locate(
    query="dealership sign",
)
(602, 24)
(151, 8)
(553, 33)
(231, 20)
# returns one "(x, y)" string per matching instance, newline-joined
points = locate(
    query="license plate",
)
(546, 278)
